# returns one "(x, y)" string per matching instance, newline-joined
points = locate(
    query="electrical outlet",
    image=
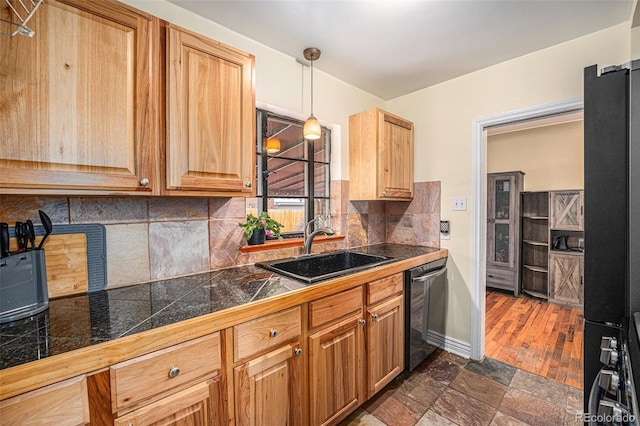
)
(460, 203)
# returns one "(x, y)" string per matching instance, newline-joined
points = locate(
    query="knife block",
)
(23, 285)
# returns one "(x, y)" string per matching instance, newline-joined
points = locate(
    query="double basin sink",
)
(318, 267)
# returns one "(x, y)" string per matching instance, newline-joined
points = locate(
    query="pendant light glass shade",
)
(311, 129)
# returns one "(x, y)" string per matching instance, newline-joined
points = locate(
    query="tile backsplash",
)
(165, 237)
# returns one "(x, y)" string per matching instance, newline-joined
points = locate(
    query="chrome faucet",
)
(308, 237)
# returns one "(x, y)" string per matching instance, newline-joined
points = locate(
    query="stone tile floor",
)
(449, 390)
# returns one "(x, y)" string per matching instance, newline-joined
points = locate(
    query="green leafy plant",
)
(264, 221)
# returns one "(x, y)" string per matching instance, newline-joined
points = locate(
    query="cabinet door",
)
(397, 152)
(192, 406)
(211, 116)
(501, 202)
(336, 371)
(76, 103)
(566, 279)
(385, 343)
(567, 210)
(269, 389)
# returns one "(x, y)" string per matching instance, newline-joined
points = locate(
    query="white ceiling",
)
(393, 47)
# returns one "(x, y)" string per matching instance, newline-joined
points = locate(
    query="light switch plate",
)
(459, 203)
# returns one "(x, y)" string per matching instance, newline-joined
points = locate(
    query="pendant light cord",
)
(312, 87)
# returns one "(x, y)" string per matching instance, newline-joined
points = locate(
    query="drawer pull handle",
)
(297, 351)
(362, 322)
(173, 372)
(374, 316)
(273, 332)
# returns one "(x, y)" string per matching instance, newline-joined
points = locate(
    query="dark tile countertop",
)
(76, 322)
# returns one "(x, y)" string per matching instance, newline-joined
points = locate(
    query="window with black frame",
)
(292, 173)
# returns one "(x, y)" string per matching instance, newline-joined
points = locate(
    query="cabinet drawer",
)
(64, 403)
(149, 375)
(381, 289)
(500, 277)
(334, 307)
(263, 333)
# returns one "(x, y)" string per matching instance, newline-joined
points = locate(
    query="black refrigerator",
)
(611, 209)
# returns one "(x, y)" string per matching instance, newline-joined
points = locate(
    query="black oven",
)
(612, 398)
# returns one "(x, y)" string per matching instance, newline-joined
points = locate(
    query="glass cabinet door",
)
(499, 214)
(502, 212)
(501, 243)
(502, 198)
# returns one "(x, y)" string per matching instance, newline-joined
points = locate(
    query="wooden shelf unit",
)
(535, 243)
(547, 273)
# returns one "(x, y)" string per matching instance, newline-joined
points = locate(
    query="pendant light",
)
(311, 128)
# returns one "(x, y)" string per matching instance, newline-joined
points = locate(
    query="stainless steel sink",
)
(317, 267)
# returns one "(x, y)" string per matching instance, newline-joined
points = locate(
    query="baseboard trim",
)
(449, 344)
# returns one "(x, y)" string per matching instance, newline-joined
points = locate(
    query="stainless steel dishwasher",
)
(418, 283)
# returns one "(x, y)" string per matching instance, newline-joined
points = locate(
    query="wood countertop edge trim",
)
(33, 375)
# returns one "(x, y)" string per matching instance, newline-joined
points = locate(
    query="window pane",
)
(286, 178)
(321, 180)
(290, 142)
(321, 208)
(289, 212)
(321, 148)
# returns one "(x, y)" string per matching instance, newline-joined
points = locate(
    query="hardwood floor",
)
(536, 336)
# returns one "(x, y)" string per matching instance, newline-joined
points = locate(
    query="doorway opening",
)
(482, 127)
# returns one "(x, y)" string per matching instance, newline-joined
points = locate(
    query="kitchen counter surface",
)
(98, 318)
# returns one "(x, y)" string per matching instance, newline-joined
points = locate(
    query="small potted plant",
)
(256, 229)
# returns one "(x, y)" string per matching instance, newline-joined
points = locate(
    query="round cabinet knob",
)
(144, 182)
(173, 372)
(248, 184)
(297, 351)
(362, 322)
(273, 332)
(384, 193)
(374, 316)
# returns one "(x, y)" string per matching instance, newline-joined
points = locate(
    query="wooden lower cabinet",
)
(268, 389)
(60, 404)
(194, 406)
(385, 343)
(566, 279)
(336, 358)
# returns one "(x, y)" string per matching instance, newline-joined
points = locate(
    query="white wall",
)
(443, 116)
(281, 81)
(552, 157)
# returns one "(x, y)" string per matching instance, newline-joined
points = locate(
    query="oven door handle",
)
(427, 277)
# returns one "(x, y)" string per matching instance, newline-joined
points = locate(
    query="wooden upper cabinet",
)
(76, 101)
(380, 156)
(567, 210)
(210, 146)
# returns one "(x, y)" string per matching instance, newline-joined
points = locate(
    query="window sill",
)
(289, 242)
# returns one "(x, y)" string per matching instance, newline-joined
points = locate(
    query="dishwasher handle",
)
(427, 277)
